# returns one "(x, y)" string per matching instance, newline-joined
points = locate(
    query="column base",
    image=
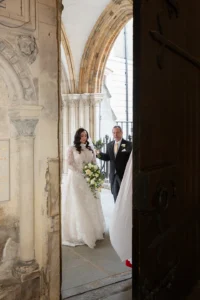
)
(26, 270)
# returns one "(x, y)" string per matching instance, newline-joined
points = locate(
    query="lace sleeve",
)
(71, 164)
(94, 161)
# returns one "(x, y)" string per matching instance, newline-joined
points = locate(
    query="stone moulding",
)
(69, 59)
(21, 14)
(97, 49)
(16, 75)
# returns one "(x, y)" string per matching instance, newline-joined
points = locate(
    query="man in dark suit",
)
(117, 152)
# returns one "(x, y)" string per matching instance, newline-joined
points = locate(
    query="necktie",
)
(116, 148)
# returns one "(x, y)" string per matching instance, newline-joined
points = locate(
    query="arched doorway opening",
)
(81, 262)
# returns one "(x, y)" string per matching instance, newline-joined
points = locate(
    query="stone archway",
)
(17, 76)
(70, 64)
(100, 42)
(82, 99)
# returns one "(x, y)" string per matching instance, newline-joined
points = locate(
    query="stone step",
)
(110, 292)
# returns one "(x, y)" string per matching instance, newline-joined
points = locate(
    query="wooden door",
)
(166, 138)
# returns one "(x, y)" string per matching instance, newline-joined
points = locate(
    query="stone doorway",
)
(86, 270)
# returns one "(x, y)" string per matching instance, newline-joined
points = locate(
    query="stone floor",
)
(85, 269)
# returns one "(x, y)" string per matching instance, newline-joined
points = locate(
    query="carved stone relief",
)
(4, 93)
(28, 47)
(16, 72)
(25, 127)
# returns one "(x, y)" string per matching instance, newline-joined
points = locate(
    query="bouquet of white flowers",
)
(94, 177)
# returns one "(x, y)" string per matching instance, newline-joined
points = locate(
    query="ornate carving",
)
(28, 47)
(25, 127)
(96, 98)
(71, 99)
(20, 73)
(85, 99)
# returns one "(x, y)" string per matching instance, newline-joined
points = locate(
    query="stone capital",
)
(96, 98)
(25, 127)
(85, 98)
(70, 99)
(25, 119)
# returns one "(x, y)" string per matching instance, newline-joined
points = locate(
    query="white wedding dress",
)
(82, 215)
(121, 221)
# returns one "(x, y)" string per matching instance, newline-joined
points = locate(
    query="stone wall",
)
(29, 100)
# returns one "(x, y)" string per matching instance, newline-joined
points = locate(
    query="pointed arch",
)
(100, 43)
(69, 59)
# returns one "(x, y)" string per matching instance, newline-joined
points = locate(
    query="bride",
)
(82, 216)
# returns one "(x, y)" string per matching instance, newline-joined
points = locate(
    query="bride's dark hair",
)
(77, 140)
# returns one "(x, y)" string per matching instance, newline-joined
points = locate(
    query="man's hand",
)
(97, 152)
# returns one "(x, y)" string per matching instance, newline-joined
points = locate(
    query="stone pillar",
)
(25, 121)
(80, 110)
(95, 101)
(77, 101)
(65, 130)
(81, 113)
(73, 101)
(85, 98)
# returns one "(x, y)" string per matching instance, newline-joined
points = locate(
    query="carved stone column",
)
(25, 121)
(95, 101)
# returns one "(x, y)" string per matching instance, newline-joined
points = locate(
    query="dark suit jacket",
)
(118, 163)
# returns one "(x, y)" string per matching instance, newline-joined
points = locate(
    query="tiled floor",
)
(84, 268)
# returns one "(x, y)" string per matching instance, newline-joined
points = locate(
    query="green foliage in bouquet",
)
(94, 177)
(98, 144)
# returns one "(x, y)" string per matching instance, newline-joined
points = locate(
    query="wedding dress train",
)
(82, 215)
(121, 220)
